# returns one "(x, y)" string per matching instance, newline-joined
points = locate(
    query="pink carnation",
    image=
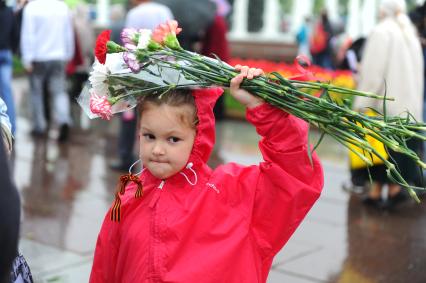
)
(100, 106)
(132, 61)
(161, 31)
(128, 37)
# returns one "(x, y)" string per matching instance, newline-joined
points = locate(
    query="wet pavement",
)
(67, 188)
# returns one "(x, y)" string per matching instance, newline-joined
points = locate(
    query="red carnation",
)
(101, 46)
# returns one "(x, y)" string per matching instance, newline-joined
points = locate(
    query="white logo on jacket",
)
(213, 187)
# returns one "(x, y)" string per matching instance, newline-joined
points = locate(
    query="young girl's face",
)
(166, 139)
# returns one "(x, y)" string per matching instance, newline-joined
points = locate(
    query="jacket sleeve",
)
(288, 184)
(104, 262)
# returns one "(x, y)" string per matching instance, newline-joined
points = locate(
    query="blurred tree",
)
(318, 6)
(343, 7)
(286, 6)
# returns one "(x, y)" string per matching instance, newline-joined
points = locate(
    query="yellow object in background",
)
(358, 163)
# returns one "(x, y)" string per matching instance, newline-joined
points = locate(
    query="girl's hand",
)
(241, 95)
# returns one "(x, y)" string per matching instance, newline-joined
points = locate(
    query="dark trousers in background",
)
(52, 73)
(126, 141)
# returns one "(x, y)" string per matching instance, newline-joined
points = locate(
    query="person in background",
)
(5, 127)
(46, 48)
(194, 17)
(349, 58)
(78, 69)
(418, 17)
(8, 40)
(117, 15)
(19, 11)
(302, 37)
(215, 43)
(393, 62)
(145, 14)
(13, 266)
(10, 215)
(9, 201)
(320, 42)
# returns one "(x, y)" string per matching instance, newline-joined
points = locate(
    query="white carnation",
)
(144, 38)
(98, 78)
(115, 63)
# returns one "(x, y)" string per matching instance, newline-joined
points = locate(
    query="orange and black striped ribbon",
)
(124, 180)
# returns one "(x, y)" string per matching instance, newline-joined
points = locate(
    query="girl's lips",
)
(158, 161)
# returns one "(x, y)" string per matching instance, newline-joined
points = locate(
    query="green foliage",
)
(343, 7)
(318, 6)
(286, 6)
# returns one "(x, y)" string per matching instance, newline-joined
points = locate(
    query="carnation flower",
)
(165, 34)
(115, 63)
(100, 105)
(129, 38)
(98, 78)
(101, 45)
(132, 61)
(144, 38)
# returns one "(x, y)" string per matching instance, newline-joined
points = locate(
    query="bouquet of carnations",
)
(152, 63)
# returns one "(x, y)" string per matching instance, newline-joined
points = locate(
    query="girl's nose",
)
(158, 149)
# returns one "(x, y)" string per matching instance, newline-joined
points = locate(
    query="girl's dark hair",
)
(176, 98)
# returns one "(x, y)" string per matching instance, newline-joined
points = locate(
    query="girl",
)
(192, 224)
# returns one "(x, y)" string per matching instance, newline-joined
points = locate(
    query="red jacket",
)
(227, 227)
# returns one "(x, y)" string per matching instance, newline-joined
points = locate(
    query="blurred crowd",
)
(391, 61)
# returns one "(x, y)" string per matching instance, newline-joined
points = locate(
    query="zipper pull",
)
(156, 196)
(161, 185)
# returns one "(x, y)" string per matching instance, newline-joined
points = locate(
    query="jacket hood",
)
(205, 100)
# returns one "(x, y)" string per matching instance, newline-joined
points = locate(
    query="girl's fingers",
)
(258, 72)
(244, 71)
(248, 72)
(253, 72)
(236, 81)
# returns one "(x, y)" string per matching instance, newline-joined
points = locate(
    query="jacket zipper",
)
(155, 241)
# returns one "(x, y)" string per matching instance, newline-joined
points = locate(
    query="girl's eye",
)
(174, 139)
(149, 136)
